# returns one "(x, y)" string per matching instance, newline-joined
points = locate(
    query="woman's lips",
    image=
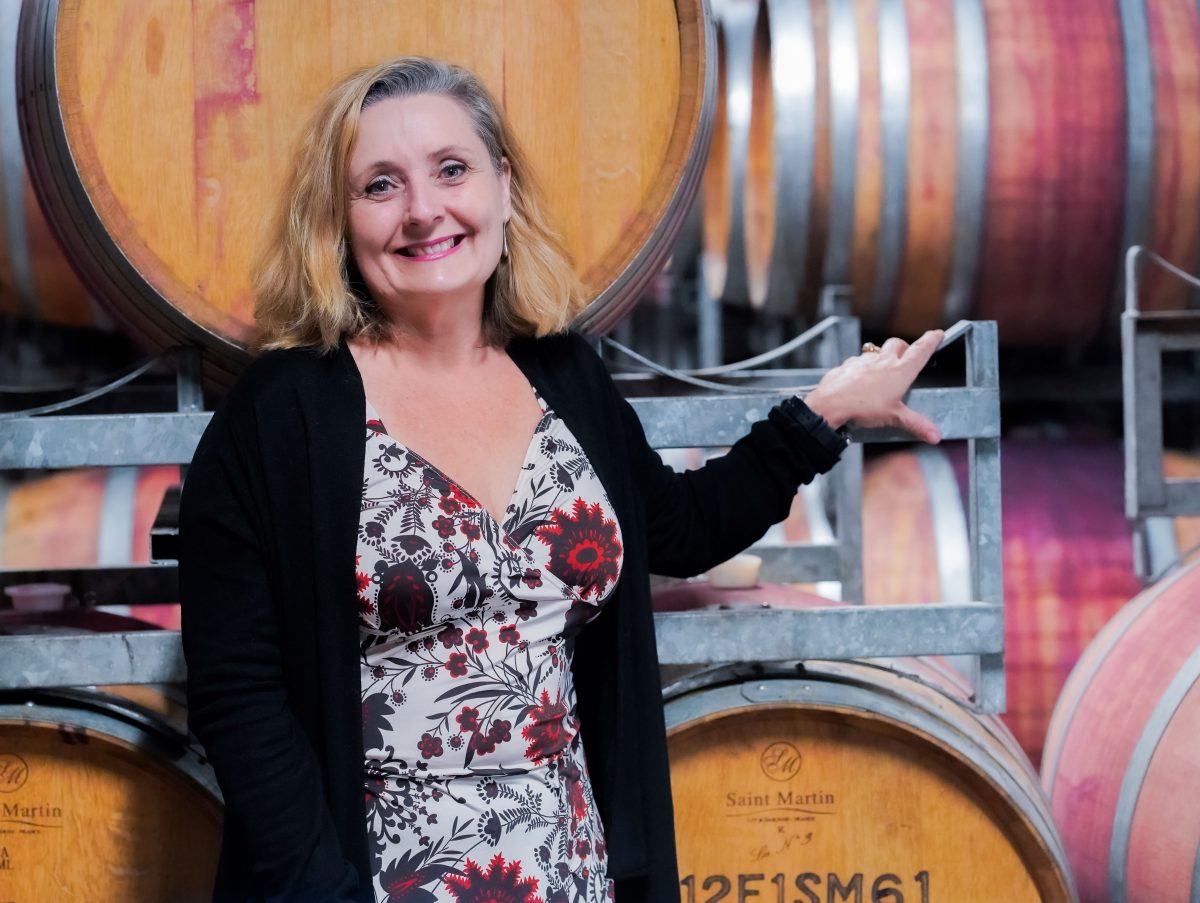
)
(432, 250)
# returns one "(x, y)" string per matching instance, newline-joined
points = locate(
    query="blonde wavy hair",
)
(308, 292)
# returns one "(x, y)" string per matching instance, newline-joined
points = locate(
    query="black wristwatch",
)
(831, 440)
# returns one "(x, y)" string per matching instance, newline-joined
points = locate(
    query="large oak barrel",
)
(1068, 552)
(1121, 764)
(847, 780)
(104, 798)
(158, 134)
(989, 159)
(102, 801)
(88, 516)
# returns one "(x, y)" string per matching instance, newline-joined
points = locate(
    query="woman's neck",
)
(431, 343)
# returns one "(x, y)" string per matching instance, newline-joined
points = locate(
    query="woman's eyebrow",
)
(449, 149)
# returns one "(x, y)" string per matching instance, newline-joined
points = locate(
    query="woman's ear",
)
(506, 187)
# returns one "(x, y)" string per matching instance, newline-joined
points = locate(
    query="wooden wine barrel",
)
(103, 794)
(989, 159)
(104, 801)
(611, 99)
(1068, 552)
(36, 282)
(1121, 764)
(84, 517)
(74, 518)
(770, 139)
(846, 780)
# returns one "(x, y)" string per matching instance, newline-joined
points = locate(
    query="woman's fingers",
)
(869, 388)
(919, 352)
(918, 424)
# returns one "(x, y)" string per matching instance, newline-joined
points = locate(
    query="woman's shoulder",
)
(279, 385)
(563, 351)
(288, 371)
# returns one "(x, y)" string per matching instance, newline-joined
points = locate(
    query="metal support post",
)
(1151, 499)
(189, 385)
(846, 480)
(984, 517)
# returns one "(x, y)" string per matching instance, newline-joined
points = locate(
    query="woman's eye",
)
(453, 171)
(376, 187)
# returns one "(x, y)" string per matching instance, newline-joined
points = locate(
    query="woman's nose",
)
(422, 204)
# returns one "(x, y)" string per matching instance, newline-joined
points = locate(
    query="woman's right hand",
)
(869, 389)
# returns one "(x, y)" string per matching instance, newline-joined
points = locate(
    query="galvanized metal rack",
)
(973, 627)
(1151, 499)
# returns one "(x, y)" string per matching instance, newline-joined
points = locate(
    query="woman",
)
(416, 537)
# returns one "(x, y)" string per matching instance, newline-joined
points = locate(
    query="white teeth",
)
(428, 250)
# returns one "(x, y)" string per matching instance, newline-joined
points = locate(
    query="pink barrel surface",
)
(1122, 762)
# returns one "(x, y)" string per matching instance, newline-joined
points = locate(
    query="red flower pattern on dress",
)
(466, 644)
(468, 719)
(547, 730)
(501, 883)
(584, 549)
(430, 746)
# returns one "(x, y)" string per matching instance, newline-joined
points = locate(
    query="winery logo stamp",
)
(13, 772)
(780, 761)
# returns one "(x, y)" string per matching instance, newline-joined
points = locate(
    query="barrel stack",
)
(989, 159)
(945, 159)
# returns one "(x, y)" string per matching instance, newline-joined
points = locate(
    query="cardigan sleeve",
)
(278, 826)
(699, 518)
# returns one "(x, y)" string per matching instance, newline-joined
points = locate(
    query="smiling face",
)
(427, 207)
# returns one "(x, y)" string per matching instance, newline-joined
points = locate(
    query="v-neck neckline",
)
(500, 522)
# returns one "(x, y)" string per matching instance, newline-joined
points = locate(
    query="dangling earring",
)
(504, 247)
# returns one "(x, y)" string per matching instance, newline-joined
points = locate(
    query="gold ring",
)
(870, 348)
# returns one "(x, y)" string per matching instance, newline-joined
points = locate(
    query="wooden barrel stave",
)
(1174, 33)
(932, 157)
(1056, 181)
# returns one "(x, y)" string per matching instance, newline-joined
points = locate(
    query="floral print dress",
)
(475, 780)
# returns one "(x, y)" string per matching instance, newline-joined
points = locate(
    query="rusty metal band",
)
(794, 89)
(843, 136)
(971, 159)
(1135, 773)
(895, 89)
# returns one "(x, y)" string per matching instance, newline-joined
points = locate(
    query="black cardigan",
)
(268, 525)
